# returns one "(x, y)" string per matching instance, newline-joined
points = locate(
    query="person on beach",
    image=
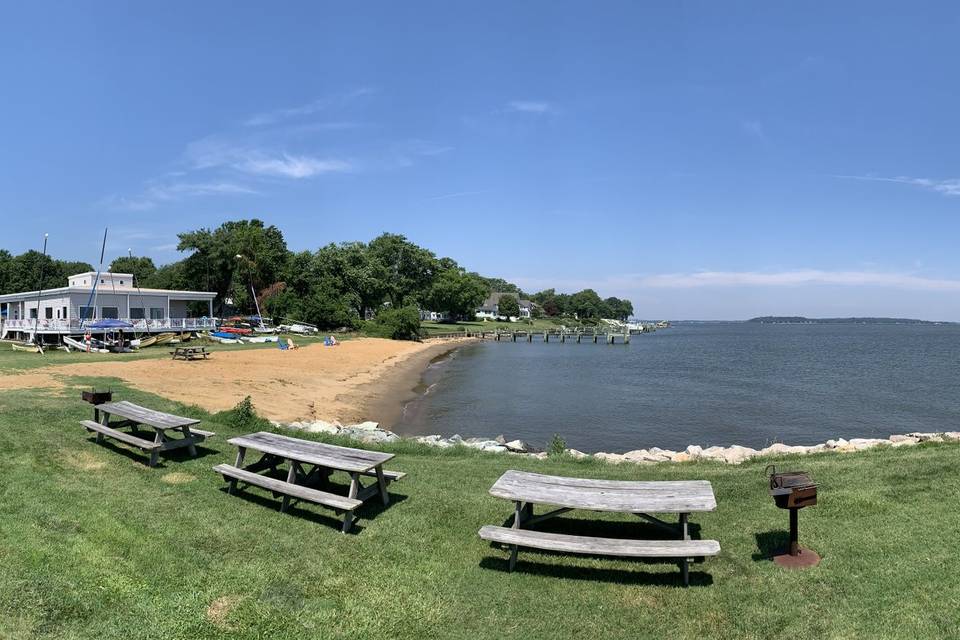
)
(291, 344)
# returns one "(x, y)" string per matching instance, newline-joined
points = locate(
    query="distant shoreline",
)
(850, 320)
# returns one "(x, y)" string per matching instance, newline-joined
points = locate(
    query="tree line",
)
(338, 285)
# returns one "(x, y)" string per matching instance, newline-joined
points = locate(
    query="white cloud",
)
(155, 193)
(530, 106)
(211, 153)
(947, 187)
(279, 115)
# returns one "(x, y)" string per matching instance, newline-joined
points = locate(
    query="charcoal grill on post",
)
(96, 398)
(793, 490)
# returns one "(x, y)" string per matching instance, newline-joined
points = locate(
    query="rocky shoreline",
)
(372, 433)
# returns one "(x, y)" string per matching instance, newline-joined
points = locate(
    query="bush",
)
(244, 416)
(396, 324)
(557, 446)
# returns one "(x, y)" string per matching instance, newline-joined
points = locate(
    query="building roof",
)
(493, 300)
(173, 293)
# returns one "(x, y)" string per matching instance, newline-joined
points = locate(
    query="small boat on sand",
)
(260, 339)
(149, 341)
(29, 348)
(164, 338)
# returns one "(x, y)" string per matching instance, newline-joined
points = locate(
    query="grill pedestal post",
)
(795, 556)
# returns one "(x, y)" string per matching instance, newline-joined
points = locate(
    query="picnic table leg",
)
(685, 562)
(517, 514)
(354, 488)
(155, 453)
(383, 485)
(291, 478)
(241, 452)
(187, 435)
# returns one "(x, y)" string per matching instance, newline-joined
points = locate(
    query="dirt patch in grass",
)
(177, 477)
(11, 381)
(83, 461)
(219, 611)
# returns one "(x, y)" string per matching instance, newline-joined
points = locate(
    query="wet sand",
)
(361, 379)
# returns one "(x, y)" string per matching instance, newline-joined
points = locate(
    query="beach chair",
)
(282, 345)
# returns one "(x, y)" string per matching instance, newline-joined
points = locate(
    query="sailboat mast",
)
(36, 321)
(93, 291)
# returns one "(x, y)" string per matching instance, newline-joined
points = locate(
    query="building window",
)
(33, 314)
(110, 312)
(48, 313)
(121, 282)
(102, 281)
(64, 313)
(137, 313)
(88, 313)
(156, 313)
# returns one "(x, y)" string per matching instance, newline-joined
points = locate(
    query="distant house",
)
(434, 316)
(490, 309)
(67, 310)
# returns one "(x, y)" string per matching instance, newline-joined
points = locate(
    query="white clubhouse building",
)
(67, 310)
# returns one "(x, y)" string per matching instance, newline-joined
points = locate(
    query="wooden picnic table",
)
(135, 416)
(643, 499)
(310, 465)
(189, 353)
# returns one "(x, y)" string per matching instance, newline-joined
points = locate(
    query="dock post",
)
(595, 336)
(546, 337)
(610, 338)
(563, 337)
(579, 335)
(529, 336)
(626, 338)
(514, 336)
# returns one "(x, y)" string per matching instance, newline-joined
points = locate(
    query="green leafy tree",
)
(458, 293)
(142, 268)
(410, 269)
(397, 324)
(214, 264)
(508, 306)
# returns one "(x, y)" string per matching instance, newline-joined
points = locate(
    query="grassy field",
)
(94, 544)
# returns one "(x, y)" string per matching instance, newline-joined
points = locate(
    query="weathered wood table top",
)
(316, 453)
(149, 417)
(685, 496)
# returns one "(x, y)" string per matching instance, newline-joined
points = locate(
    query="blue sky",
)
(706, 160)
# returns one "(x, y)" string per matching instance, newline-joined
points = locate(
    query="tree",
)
(397, 324)
(214, 264)
(142, 268)
(456, 292)
(410, 269)
(508, 306)
(586, 304)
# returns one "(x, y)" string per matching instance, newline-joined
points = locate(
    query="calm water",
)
(710, 384)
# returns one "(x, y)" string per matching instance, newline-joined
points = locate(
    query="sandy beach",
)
(362, 379)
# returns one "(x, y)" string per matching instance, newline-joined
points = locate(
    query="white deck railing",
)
(75, 326)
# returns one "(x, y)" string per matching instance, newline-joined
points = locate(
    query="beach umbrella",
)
(110, 323)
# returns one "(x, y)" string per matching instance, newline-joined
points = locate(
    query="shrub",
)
(557, 446)
(396, 324)
(244, 416)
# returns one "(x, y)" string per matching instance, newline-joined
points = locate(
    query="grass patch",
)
(96, 545)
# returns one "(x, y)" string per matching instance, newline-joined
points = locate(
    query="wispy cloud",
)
(947, 187)
(316, 106)
(212, 153)
(155, 193)
(793, 279)
(530, 106)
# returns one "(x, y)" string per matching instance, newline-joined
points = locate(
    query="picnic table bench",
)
(189, 353)
(640, 498)
(310, 465)
(135, 416)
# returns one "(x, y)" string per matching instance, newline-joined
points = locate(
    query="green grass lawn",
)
(93, 544)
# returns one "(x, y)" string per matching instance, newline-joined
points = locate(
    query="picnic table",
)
(189, 353)
(135, 417)
(309, 467)
(681, 498)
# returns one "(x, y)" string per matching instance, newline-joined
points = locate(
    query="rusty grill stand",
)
(795, 556)
(793, 490)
